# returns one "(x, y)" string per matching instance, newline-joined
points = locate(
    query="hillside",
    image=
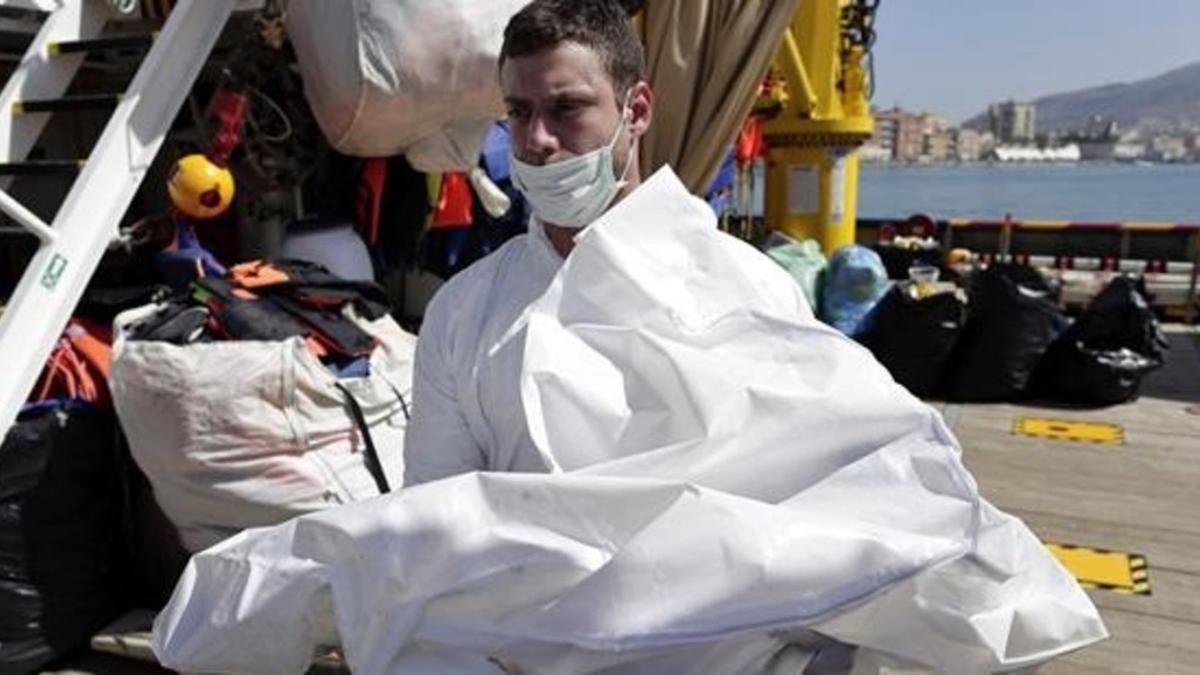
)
(1166, 102)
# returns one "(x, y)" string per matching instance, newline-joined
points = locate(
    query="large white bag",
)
(246, 434)
(731, 474)
(419, 77)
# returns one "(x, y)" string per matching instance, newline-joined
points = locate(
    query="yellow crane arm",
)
(822, 117)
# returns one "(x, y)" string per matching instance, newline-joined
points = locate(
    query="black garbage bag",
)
(897, 260)
(60, 541)
(1012, 321)
(1102, 358)
(913, 337)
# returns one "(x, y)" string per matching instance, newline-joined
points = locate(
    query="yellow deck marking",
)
(1067, 430)
(1109, 570)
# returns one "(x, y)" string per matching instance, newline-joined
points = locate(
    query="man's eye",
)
(565, 108)
(518, 114)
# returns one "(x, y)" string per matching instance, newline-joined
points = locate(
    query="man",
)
(572, 73)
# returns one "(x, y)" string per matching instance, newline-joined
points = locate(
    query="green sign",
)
(54, 271)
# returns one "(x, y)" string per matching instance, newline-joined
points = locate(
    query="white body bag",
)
(729, 478)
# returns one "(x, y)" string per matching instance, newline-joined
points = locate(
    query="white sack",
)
(246, 434)
(734, 472)
(385, 77)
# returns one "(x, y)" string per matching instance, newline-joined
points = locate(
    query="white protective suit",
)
(727, 473)
(467, 378)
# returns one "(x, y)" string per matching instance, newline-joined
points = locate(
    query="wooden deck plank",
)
(1141, 497)
(1173, 596)
(1165, 549)
(1146, 414)
(1139, 644)
(1074, 488)
(1166, 454)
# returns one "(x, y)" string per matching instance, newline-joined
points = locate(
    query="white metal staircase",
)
(87, 220)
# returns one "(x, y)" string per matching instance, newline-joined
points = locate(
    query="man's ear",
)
(641, 106)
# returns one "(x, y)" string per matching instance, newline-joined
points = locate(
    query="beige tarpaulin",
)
(706, 59)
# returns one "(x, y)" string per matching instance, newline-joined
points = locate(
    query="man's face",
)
(561, 104)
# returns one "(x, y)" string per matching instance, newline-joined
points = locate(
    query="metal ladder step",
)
(67, 103)
(41, 167)
(86, 221)
(100, 44)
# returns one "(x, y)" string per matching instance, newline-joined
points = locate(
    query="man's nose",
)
(540, 143)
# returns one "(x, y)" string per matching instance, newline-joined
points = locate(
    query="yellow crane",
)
(818, 117)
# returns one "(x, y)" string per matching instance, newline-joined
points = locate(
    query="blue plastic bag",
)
(854, 282)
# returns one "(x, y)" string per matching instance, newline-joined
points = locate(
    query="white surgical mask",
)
(575, 191)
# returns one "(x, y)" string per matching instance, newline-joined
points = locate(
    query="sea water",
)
(1101, 192)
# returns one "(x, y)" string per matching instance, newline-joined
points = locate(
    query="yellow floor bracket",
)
(1068, 430)
(1109, 570)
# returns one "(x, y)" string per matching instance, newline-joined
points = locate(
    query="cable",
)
(287, 122)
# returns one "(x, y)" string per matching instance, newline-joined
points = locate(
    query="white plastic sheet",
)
(251, 433)
(730, 471)
(412, 76)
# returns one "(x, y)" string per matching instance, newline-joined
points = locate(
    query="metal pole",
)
(26, 218)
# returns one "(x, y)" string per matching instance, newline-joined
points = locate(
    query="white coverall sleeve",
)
(438, 442)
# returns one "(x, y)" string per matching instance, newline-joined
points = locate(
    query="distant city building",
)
(933, 124)
(1129, 146)
(971, 145)
(910, 137)
(881, 147)
(903, 136)
(1193, 146)
(1012, 122)
(900, 132)
(1165, 148)
(939, 146)
(873, 152)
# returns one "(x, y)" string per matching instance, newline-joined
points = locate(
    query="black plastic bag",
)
(914, 337)
(60, 541)
(1012, 321)
(1102, 358)
(897, 261)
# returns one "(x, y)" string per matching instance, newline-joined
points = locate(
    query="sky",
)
(953, 57)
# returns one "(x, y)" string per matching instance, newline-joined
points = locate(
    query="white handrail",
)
(26, 218)
(87, 219)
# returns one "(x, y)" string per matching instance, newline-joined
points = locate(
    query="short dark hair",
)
(601, 25)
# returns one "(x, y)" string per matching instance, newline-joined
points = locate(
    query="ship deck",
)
(1137, 497)
(1138, 494)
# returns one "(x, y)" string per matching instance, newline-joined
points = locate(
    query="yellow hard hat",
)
(199, 187)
